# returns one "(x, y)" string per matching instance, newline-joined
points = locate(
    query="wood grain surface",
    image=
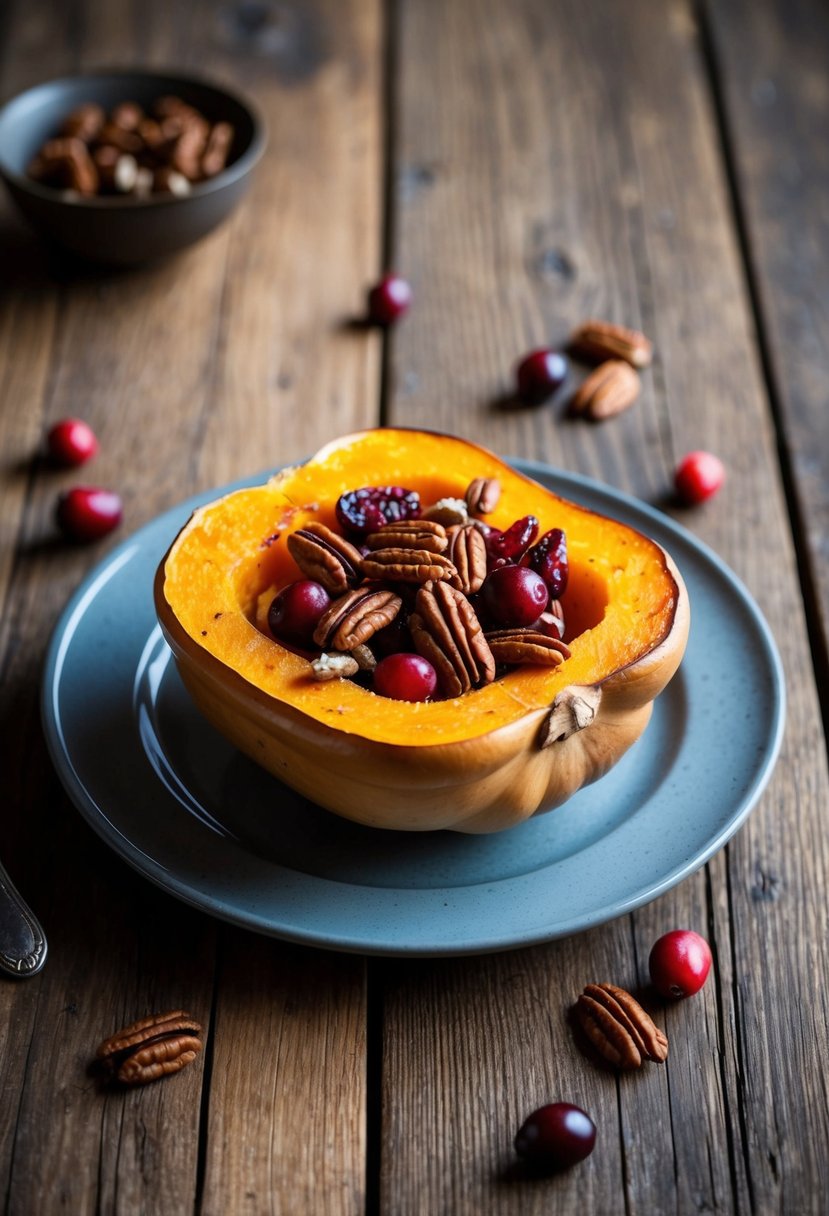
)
(525, 166)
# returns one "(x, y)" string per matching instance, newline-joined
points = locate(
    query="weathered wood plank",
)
(286, 1129)
(771, 60)
(553, 163)
(182, 369)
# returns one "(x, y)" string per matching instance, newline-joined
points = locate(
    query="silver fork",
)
(22, 940)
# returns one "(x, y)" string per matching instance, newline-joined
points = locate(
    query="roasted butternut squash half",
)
(480, 762)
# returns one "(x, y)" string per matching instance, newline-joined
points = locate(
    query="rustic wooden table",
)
(524, 165)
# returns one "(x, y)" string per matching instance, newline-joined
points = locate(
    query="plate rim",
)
(565, 481)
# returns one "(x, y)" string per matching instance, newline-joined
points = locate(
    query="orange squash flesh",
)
(626, 613)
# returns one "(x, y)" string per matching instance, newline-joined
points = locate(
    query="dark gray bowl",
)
(124, 231)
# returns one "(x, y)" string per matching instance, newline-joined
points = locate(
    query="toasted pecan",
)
(410, 534)
(407, 566)
(446, 631)
(467, 553)
(619, 1028)
(326, 557)
(482, 495)
(516, 646)
(600, 340)
(607, 391)
(355, 617)
(151, 1048)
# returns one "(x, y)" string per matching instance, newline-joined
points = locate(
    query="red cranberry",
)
(88, 512)
(679, 963)
(71, 442)
(512, 544)
(389, 300)
(556, 1136)
(698, 476)
(365, 510)
(294, 614)
(539, 374)
(515, 596)
(405, 677)
(549, 559)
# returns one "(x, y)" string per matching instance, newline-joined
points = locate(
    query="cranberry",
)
(549, 559)
(556, 1136)
(71, 442)
(679, 963)
(512, 544)
(294, 614)
(698, 476)
(515, 596)
(88, 512)
(366, 510)
(389, 300)
(405, 677)
(539, 374)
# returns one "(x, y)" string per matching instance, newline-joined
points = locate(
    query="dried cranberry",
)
(549, 559)
(514, 543)
(366, 510)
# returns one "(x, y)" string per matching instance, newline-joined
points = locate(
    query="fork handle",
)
(22, 940)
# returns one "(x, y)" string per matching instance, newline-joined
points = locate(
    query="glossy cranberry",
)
(539, 374)
(389, 300)
(515, 596)
(365, 510)
(295, 612)
(405, 677)
(514, 543)
(549, 559)
(698, 476)
(556, 1136)
(88, 512)
(71, 442)
(679, 963)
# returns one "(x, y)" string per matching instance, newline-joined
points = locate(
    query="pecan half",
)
(619, 1028)
(407, 566)
(516, 646)
(151, 1048)
(446, 631)
(410, 534)
(467, 553)
(354, 618)
(607, 391)
(599, 340)
(482, 495)
(326, 557)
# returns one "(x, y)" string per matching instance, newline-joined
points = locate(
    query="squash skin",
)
(467, 778)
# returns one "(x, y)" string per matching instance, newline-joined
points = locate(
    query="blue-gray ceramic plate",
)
(195, 816)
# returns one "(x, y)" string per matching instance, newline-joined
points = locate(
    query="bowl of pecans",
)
(124, 167)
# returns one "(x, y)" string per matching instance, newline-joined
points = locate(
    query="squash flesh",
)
(620, 601)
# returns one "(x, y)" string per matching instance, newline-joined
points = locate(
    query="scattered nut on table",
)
(151, 1048)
